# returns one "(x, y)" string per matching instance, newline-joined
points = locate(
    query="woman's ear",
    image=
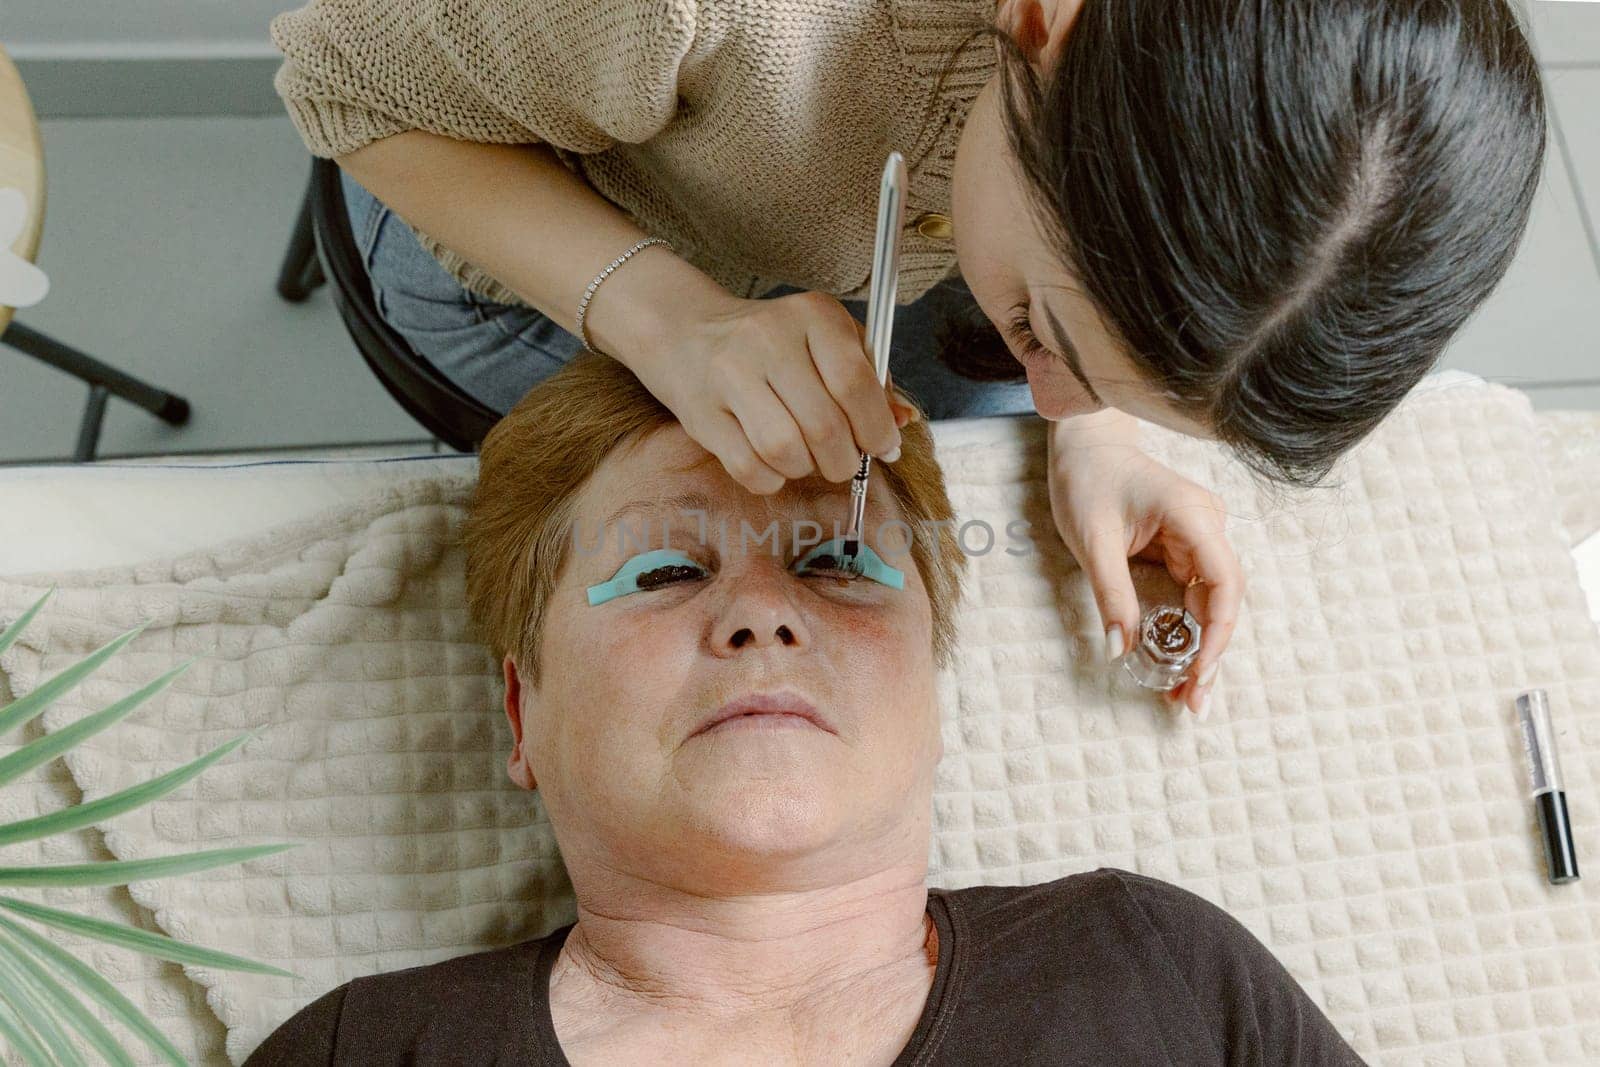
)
(1040, 27)
(517, 766)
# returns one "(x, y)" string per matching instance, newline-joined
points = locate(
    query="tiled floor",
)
(163, 239)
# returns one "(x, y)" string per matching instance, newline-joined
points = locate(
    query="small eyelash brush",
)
(880, 322)
(858, 510)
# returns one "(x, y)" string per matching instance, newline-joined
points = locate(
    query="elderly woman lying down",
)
(752, 889)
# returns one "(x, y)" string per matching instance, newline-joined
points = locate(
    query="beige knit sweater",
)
(749, 133)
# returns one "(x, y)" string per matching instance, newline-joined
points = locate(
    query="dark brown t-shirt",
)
(1105, 967)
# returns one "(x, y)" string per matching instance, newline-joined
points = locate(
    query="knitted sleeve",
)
(581, 75)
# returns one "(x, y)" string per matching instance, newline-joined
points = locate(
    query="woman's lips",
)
(762, 721)
(789, 703)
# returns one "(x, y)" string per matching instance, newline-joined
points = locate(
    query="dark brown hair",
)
(1283, 211)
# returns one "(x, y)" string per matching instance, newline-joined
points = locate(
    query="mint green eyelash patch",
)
(866, 563)
(626, 580)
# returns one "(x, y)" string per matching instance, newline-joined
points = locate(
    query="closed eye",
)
(832, 566)
(672, 573)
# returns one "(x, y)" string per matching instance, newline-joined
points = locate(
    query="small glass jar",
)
(1169, 640)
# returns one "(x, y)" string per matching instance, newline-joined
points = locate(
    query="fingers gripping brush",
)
(880, 324)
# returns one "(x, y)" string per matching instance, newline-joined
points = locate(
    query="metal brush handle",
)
(880, 306)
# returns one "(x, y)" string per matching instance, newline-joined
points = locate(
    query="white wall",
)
(89, 29)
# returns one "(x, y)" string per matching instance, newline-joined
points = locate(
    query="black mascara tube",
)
(1549, 799)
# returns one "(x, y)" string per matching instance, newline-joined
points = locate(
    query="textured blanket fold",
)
(1357, 798)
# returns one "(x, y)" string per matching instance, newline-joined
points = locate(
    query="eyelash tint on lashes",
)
(664, 566)
(673, 571)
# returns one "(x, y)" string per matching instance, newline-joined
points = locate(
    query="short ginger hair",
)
(534, 462)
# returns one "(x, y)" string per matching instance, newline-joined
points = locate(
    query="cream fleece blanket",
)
(1357, 797)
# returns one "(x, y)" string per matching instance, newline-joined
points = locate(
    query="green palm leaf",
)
(127, 1013)
(20, 1035)
(159, 945)
(16, 628)
(135, 796)
(50, 746)
(100, 1039)
(20, 711)
(121, 872)
(38, 1013)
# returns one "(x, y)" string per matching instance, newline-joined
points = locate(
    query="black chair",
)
(447, 411)
(104, 381)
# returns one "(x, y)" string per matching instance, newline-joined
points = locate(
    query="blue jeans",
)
(497, 352)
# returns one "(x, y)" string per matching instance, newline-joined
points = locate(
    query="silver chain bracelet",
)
(583, 306)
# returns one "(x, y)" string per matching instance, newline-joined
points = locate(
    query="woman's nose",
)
(1057, 400)
(750, 637)
(759, 612)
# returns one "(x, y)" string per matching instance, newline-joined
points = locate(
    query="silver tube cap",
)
(1539, 741)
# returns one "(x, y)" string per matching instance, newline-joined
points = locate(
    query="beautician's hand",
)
(778, 388)
(1110, 501)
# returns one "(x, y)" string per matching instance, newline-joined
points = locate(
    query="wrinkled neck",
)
(736, 957)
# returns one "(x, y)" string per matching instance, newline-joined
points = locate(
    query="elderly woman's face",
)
(610, 737)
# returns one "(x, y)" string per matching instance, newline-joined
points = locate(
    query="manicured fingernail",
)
(1205, 706)
(1209, 673)
(892, 456)
(1114, 641)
